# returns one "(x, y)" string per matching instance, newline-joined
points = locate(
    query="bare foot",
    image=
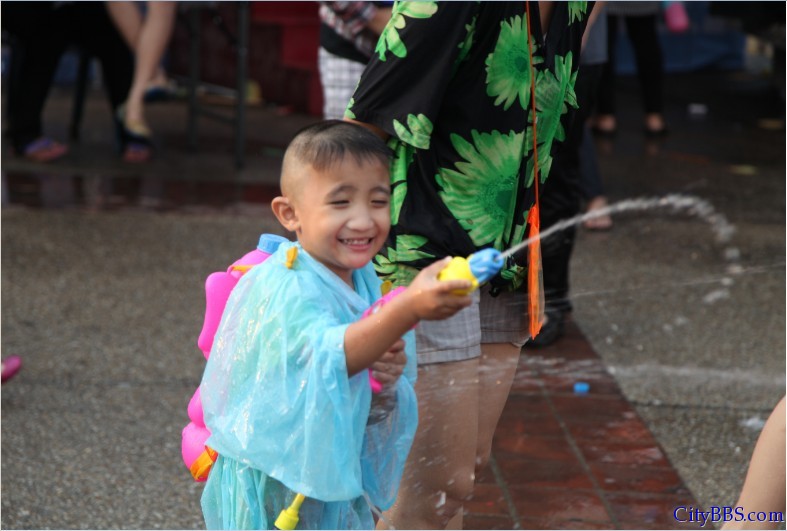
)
(604, 124)
(600, 223)
(654, 124)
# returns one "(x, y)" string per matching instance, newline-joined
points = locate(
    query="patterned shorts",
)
(339, 78)
(500, 319)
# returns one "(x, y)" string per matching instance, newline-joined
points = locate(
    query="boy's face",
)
(342, 215)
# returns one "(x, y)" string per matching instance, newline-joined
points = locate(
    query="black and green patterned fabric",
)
(451, 83)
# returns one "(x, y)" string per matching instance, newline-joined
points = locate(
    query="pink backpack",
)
(218, 286)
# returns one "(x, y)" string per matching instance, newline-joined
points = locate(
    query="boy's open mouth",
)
(357, 241)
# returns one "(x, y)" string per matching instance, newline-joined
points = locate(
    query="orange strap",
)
(535, 283)
(241, 268)
(201, 466)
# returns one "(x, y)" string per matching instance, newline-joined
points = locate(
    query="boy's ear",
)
(284, 211)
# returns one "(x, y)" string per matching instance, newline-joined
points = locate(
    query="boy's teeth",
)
(358, 241)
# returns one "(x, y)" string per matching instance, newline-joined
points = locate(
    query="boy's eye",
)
(380, 202)
(339, 202)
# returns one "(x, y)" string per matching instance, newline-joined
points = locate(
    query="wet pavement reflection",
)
(42, 190)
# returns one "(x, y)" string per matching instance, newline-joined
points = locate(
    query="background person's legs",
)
(650, 68)
(94, 30)
(153, 39)
(38, 42)
(604, 121)
(128, 19)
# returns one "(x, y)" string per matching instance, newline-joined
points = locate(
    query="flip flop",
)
(44, 150)
(161, 91)
(11, 366)
(136, 152)
(135, 139)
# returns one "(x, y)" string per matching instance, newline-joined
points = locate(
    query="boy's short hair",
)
(324, 144)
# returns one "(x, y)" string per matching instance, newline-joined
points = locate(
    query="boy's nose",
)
(361, 220)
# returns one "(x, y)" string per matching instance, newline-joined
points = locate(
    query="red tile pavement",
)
(566, 460)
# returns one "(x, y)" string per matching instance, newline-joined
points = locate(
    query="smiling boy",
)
(285, 393)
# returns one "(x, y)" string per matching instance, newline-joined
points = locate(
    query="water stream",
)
(692, 205)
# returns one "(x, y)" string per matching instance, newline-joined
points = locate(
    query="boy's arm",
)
(365, 341)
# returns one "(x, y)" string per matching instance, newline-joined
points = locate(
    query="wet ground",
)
(681, 338)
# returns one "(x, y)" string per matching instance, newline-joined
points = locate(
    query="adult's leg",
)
(591, 184)
(503, 332)
(152, 43)
(496, 371)
(650, 66)
(127, 18)
(93, 29)
(439, 474)
(38, 43)
(605, 110)
(764, 488)
(561, 200)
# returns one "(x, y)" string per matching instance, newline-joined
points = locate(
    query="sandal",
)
(134, 137)
(136, 153)
(166, 91)
(44, 149)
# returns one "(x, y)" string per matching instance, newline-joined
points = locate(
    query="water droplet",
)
(716, 295)
(441, 501)
(732, 253)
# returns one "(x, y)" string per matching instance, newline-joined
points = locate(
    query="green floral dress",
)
(451, 83)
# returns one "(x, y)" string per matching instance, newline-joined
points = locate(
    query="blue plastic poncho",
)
(283, 414)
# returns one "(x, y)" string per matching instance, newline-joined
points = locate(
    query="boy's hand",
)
(434, 299)
(390, 366)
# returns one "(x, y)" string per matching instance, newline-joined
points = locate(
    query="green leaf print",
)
(418, 131)
(519, 233)
(576, 11)
(480, 193)
(515, 275)
(348, 111)
(403, 157)
(508, 66)
(390, 39)
(393, 263)
(467, 42)
(554, 91)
